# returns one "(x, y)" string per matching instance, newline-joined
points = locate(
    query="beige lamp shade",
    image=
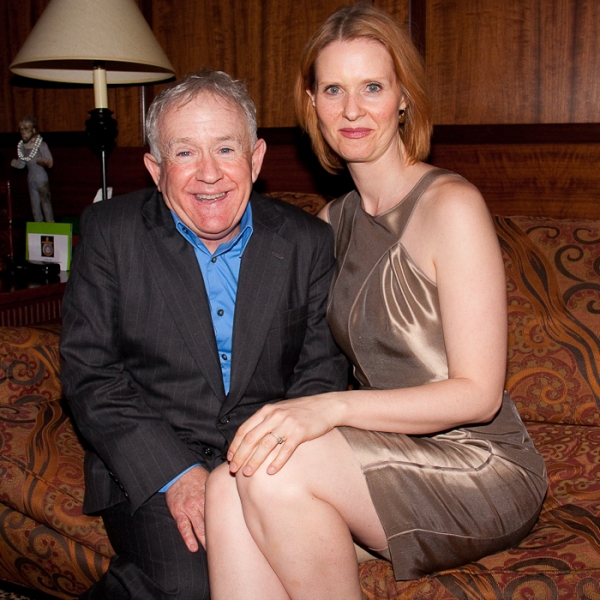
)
(71, 35)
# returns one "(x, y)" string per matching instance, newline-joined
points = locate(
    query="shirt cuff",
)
(164, 488)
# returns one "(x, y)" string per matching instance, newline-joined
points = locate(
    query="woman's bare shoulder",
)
(452, 200)
(324, 213)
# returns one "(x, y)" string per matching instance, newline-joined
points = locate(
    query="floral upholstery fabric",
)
(46, 541)
(553, 276)
(553, 279)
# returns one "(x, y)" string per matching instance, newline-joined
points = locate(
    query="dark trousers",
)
(151, 561)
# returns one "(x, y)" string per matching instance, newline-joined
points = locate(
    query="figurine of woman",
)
(34, 154)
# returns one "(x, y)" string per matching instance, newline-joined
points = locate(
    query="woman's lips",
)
(355, 134)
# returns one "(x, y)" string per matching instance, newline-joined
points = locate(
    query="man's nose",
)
(208, 169)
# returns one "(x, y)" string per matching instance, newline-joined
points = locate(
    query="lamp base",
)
(101, 130)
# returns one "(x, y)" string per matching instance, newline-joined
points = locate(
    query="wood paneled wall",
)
(514, 61)
(488, 61)
(515, 86)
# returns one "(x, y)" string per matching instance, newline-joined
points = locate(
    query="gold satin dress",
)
(444, 499)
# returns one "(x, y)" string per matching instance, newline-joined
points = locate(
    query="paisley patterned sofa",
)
(553, 280)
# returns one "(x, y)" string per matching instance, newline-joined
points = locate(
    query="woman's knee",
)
(291, 483)
(220, 488)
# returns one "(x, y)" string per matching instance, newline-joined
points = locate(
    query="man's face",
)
(27, 131)
(208, 166)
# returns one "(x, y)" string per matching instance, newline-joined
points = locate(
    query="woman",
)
(428, 464)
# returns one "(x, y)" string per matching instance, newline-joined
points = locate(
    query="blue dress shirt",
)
(220, 272)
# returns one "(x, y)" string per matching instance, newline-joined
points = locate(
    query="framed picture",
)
(49, 243)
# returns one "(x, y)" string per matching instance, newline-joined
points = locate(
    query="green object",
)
(50, 243)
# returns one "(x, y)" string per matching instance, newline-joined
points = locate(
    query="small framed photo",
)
(49, 243)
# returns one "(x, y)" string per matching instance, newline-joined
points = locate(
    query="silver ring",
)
(280, 440)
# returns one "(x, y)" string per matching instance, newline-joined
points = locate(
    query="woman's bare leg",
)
(303, 519)
(237, 568)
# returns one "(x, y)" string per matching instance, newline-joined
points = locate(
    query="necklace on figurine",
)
(36, 147)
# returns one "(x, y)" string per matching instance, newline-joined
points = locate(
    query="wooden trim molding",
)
(555, 133)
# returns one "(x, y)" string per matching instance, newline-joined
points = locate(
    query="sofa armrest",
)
(29, 364)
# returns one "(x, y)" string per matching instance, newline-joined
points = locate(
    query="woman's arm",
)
(455, 244)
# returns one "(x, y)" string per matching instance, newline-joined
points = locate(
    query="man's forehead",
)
(226, 137)
(222, 118)
(205, 104)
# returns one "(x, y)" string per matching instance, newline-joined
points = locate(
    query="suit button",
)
(208, 451)
(224, 420)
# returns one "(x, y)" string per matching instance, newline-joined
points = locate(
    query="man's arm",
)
(139, 448)
(321, 366)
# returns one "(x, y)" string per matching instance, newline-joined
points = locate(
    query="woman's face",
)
(357, 98)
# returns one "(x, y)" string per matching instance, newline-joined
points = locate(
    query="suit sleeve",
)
(139, 449)
(321, 366)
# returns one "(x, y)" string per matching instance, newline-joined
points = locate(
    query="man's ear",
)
(258, 155)
(153, 167)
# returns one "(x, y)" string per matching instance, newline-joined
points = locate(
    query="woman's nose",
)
(353, 107)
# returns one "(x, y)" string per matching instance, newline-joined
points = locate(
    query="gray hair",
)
(181, 92)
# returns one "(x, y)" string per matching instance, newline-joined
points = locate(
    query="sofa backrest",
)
(553, 279)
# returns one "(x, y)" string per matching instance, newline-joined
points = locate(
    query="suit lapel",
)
(264, 270)
(176, 270)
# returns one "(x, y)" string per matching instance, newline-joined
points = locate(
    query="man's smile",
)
(209, 197)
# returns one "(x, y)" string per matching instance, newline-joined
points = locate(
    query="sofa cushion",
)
(41, 470)
(553, 278)
(560, 558)
(36, 556)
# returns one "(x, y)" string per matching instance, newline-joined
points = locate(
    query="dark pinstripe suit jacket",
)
(139, 356)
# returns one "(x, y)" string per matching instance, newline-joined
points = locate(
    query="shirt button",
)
(220, 312)
(213, 259)
(224, 420)
(224, 356)
(207, 451)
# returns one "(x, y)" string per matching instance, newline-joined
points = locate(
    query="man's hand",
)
(185, 499)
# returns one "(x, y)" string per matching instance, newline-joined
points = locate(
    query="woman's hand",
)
(293, 421)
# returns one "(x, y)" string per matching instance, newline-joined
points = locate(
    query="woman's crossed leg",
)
(290, 535)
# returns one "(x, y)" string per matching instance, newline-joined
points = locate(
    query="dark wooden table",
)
(28, 298)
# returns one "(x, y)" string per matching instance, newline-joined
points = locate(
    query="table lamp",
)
(95, 42)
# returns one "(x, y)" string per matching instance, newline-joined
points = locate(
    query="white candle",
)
(100, 89)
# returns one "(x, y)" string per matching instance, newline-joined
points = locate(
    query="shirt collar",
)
(239, 242)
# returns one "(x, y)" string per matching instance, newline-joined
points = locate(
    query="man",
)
(189, 307)
(34, 154)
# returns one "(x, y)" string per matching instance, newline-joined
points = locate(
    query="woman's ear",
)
(311, 96)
